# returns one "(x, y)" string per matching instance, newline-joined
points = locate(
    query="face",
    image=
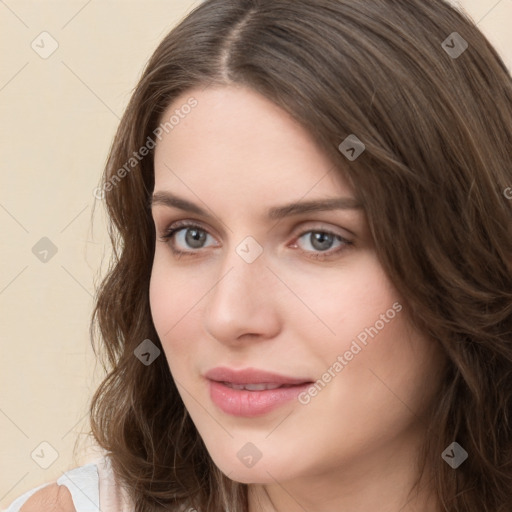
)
(280, 327)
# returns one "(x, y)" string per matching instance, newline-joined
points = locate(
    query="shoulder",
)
(78, 490)
(51, 498)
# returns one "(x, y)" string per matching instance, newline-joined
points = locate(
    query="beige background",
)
(59, 115)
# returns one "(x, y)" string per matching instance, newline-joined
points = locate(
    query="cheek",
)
(162, 299)
(175, 301)
(384, 363)
(347, 301)
(171, 293)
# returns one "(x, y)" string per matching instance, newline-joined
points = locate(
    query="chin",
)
(263, 471)
(247, 478)
(249, 475)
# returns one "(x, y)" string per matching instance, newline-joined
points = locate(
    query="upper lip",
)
(251, 376)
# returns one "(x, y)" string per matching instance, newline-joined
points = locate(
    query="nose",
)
(242, 305)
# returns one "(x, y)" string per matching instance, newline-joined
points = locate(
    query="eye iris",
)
(321, 241)
(195, 237)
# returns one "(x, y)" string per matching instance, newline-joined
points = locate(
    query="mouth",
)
(252, 376)
(252, 392)
(257, 387)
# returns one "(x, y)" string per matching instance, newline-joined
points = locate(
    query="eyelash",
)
(321, 255)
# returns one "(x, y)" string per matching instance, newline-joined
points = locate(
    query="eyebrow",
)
(277, 212)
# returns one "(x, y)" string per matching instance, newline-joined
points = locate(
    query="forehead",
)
(235, 139)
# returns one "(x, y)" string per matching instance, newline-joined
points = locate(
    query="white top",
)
(93, 488)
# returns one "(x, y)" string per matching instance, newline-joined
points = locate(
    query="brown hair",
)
(437, 128)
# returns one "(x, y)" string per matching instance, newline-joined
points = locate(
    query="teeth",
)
(252, 387)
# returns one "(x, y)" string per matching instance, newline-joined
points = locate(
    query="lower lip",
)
(240, 402)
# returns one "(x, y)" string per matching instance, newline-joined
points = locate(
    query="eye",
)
(320, 243)
(319, 240)
(186, 238)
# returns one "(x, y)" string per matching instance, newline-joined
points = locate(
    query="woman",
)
(310, 306)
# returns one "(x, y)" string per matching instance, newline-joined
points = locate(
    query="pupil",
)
(195, 238)
(321, 241)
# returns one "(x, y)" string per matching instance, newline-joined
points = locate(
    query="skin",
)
(353, 446)
(54, 497)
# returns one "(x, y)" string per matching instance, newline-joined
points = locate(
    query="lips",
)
(252, 392)
(252, 376)
(254, 387)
